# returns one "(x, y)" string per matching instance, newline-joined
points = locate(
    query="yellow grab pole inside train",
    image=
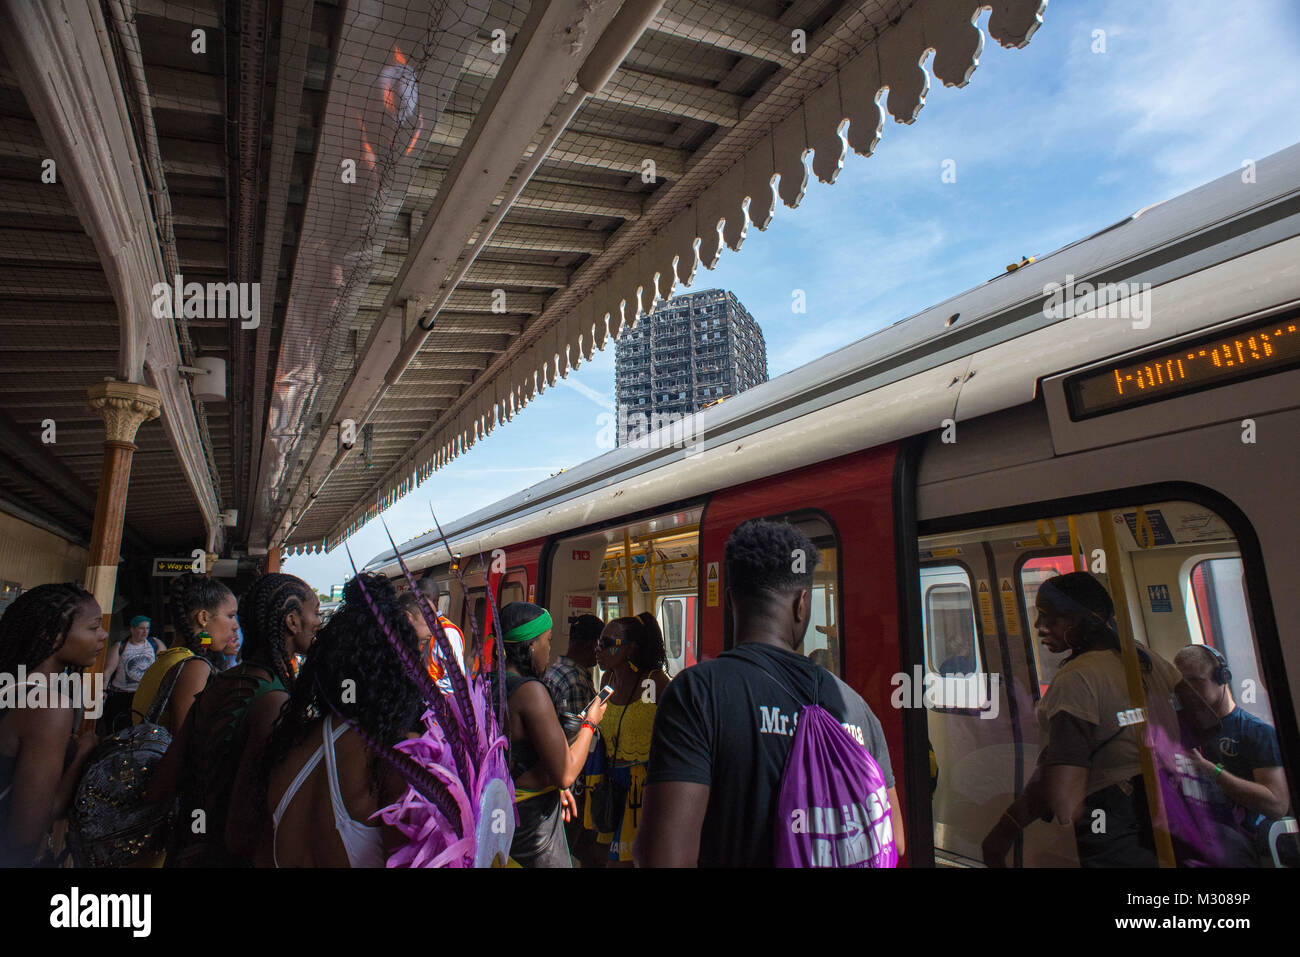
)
(650, 562)
(627, 571)
(1075, 554)
(1136, 693)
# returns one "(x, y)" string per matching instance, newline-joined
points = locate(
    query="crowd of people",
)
(281, 757)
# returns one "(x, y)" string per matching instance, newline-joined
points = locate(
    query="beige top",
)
(1093, 688)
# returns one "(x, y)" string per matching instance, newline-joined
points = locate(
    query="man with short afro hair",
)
(724, 727)
(761, 558)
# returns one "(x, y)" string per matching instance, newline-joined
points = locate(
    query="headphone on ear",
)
(1221, 674)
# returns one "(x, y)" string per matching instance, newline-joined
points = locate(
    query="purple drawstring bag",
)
(833, 806)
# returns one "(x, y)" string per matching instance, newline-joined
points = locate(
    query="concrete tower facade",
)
(690, 352)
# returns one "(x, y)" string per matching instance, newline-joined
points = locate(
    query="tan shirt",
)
(1093, 688)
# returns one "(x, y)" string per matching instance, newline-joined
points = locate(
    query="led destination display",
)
(1252, 351)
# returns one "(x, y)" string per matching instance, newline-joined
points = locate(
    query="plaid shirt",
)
(570, 686)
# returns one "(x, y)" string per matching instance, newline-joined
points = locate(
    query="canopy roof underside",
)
(386, 167)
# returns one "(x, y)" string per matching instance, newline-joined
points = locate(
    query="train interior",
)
(1175, 571)
(647, 565)
(654, 564)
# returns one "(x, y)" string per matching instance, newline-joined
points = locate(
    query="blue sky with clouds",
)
(1050, 143)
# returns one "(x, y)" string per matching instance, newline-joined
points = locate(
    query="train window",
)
(1218, 588)
(954, 668)
(512, 588)
(672, 619)
(626, 569)
(949, 622)
(1218, 615)
(478, 602)
(1175, 572)
(431, 586)
(823, 642)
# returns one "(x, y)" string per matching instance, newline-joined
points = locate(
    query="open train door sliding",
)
(848, 507)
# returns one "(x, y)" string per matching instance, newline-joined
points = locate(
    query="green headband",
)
(529, 629)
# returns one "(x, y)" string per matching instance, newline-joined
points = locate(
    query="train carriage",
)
(1129, 405)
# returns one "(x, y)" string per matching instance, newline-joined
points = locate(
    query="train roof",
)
(1221, 220)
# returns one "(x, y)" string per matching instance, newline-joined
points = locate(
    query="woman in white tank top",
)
(323, 777)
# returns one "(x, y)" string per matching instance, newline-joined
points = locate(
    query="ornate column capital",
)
(124, 407)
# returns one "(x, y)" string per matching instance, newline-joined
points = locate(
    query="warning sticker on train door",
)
(986, 609)
(1010, 613)
(711, 586)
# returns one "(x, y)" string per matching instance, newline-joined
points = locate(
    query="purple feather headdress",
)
(458, 811)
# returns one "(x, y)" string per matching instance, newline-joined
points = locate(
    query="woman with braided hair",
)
(631, 656)
(46, 630)
(543, 763)
(229, 723)
(320, 771)
(204, 616)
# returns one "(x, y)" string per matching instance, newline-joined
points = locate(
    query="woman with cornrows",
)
(204, 616)
(231, 719)
(542, 762)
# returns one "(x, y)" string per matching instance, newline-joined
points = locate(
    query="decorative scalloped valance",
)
(721, 214)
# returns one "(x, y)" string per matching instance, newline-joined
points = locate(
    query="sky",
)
(1048, 144)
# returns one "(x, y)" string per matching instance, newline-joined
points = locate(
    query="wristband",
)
(588, 724)
(1218, 769)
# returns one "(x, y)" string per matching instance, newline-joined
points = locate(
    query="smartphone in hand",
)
(602, 697)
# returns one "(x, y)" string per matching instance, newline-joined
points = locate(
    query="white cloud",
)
(604, 401)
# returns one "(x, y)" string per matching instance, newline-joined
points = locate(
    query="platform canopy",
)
(445, 205)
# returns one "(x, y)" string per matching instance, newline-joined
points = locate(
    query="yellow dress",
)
(627, 728)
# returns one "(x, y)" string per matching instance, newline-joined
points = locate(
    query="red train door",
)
(846, 506)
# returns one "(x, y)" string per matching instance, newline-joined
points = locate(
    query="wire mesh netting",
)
(324, 155)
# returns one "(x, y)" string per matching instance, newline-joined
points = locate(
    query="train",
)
(1128, 404)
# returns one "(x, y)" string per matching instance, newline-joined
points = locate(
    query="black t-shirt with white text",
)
(1245, 744)
(726, 724)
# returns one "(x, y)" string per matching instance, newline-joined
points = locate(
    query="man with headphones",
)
(1247, 771)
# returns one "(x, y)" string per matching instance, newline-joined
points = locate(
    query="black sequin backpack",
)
(109, 823)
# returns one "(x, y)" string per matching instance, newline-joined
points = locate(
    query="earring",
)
(205, 639)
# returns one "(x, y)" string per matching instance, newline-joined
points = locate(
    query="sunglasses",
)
(610, 643)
